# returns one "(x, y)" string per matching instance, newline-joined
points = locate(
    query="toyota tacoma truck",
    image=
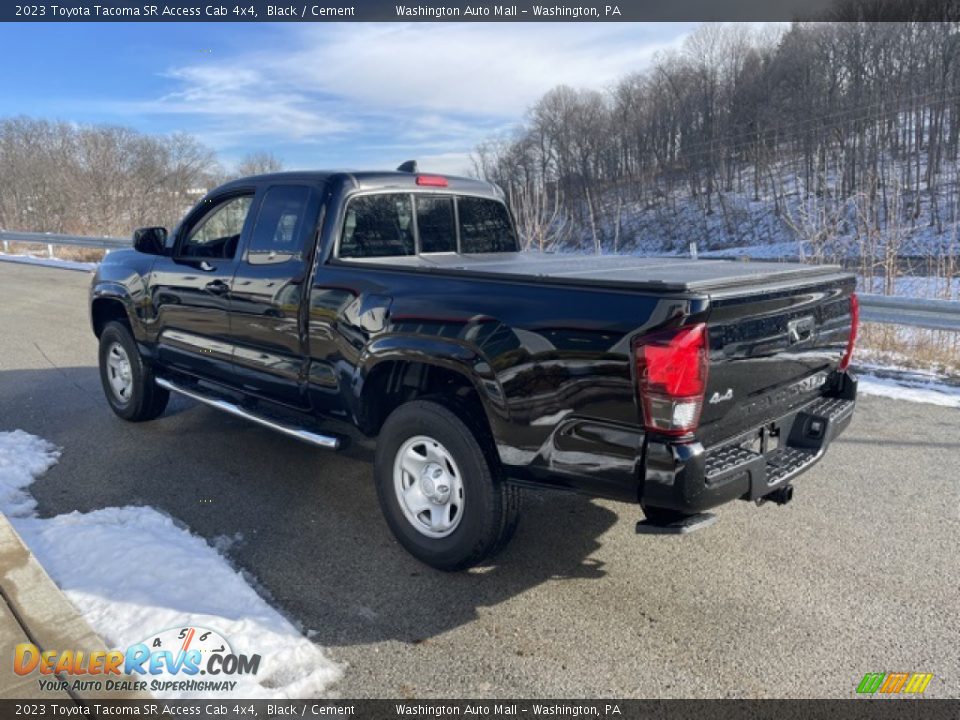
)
(397, 309)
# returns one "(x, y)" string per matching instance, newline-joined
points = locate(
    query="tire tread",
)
(500, 513)
(150, 400)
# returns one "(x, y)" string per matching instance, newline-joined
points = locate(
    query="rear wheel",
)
(440, 490)
(128, 381)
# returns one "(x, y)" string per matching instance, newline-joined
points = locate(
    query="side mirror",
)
(150, 240)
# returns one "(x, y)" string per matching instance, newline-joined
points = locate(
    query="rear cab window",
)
(435, 223)
(394, 224)
(485, 226)
(378, 226)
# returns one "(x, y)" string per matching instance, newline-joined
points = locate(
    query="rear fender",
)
(449, 355)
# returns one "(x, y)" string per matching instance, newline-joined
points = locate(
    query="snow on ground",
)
(49, 262)
(133, 573)
(908, 385)
(783, 250)
(22, 458)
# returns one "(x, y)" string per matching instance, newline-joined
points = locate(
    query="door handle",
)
(217, 287)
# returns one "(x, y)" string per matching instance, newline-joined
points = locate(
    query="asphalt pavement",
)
(860, 573)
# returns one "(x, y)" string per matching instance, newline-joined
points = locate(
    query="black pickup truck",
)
(396, 305)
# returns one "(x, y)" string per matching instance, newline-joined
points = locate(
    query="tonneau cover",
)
(666, 274)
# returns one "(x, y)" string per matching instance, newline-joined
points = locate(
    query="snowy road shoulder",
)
(134, 574)
(910, 386)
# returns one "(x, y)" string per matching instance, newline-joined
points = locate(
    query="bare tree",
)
(258, 163)
(96, 180)
(844, 136)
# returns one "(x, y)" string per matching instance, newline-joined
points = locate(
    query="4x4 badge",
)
(718, 398)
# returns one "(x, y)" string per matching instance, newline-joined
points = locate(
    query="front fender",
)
(114, 292)
(122, 277)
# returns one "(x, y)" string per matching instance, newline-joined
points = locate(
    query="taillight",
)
(672, 378)
(432, 181)
(854, 325)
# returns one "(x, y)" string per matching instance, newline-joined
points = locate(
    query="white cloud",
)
(484, 68)
(427, 90)
(240, 103)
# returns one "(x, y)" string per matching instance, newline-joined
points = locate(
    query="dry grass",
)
(915, 348)
(80, 254)
(64, 252)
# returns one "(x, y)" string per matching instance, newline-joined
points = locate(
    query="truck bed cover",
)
(664, 274)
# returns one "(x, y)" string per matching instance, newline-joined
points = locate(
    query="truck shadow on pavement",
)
(304, 522)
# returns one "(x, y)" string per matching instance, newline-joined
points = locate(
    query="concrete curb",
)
(33, 609)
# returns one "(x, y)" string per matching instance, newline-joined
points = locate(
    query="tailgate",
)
(770, 352)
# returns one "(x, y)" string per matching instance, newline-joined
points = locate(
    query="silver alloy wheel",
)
(428, 486)
(119, 373)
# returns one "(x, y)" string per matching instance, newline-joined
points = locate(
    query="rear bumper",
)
(691, 478)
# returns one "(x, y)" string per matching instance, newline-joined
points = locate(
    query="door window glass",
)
(217, 233)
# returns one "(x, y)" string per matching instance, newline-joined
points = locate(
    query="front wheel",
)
(442, 495)
(127, 380)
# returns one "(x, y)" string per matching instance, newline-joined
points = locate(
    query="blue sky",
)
(317, 95)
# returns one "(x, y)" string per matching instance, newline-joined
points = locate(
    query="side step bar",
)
(325, 441)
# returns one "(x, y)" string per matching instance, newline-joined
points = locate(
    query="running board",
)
(684, 526)
(325, 441)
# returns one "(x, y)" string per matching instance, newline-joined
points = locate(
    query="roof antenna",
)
(409, 166)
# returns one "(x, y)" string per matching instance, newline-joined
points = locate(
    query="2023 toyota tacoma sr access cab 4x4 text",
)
(396, 306)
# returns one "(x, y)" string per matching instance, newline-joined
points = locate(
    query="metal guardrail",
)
(51, 240)
(915, 312)
(888, 309)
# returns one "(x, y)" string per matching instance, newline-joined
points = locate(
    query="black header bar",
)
(480, 11)
(441, 709)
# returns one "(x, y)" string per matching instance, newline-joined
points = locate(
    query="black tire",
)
(490, 508)
(144, 400)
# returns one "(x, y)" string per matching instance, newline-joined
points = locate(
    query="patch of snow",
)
(23, 457)
(224, 543)
(131, 571)
(788, 250)
(910, 386)
(50, 262)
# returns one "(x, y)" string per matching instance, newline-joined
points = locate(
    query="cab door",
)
(270, 351)
(190, 290)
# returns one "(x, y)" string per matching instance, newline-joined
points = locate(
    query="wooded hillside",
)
(841, 135)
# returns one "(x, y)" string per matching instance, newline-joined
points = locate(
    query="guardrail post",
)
(6, 246)
(49, 250)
